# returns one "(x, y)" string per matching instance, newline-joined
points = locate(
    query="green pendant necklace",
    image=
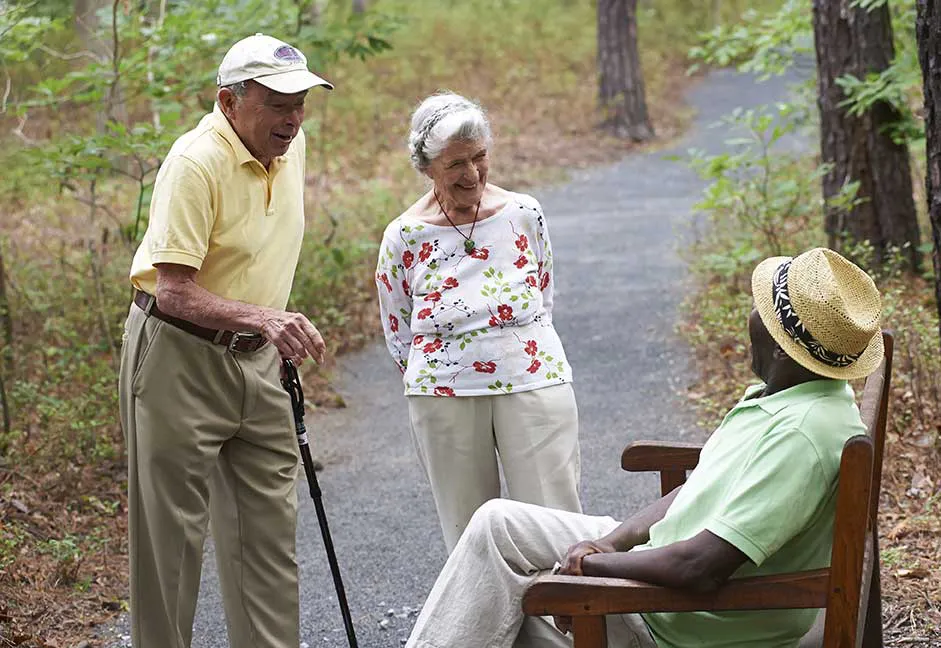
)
(468, 240)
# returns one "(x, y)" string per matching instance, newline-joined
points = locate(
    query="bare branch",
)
(6, 92)
(18, 131)
(25, 12)
(68, 57)
(96, 205)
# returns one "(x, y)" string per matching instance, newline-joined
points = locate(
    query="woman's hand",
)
(572, 566)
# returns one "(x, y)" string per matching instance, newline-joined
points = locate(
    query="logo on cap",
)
(287, 53)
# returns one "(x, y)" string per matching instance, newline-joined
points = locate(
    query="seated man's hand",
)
(572, 566)
(572, 563)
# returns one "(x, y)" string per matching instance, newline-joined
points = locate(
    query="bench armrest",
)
(643, 456)
(584, 595)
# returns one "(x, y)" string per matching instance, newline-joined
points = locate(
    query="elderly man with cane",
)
(208, 425)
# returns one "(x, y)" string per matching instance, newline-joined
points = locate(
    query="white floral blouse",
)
(471, 323)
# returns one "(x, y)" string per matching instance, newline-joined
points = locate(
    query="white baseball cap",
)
(269, 61)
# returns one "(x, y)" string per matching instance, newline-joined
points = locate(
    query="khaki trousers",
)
(207, 427)
(477, 600)
(534, 433)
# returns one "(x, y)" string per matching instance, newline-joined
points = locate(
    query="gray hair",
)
(239, 89)
(440, 119)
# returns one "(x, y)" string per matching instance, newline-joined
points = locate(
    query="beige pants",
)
(206, 426)
(476, 601)
(534, 433)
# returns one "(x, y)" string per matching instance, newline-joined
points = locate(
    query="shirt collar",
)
(221, 125)
(778, 401)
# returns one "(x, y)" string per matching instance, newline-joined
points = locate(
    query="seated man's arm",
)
(630, 533)
(701, 563)
(771, 498)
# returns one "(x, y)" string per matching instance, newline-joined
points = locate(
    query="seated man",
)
(761, 501)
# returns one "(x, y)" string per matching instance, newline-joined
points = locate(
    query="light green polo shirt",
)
(766, 483)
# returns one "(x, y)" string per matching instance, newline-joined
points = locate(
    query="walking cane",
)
(292, 384)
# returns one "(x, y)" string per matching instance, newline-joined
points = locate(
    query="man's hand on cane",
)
(294, 336)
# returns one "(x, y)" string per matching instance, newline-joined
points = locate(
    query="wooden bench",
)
(848, 592)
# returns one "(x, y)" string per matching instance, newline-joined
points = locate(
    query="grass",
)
(531, 63)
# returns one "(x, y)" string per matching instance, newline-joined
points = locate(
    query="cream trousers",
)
(459, 440)
(476, 601)
(208, 427)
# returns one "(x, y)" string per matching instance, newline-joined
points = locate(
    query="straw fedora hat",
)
(822, 310)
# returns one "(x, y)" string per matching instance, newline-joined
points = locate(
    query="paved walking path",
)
(615, 233)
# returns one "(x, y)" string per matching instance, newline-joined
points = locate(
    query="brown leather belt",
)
(232, 340)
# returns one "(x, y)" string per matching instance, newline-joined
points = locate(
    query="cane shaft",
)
(317, 496)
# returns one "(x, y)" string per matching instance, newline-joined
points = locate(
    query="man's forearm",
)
(701, 563)
(667, 566)
(193, 303)
(636, 529)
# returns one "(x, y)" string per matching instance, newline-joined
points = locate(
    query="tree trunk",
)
(317, 8)
(621, 83)
(359, 6)
(929, 53)
(86, 25)
(851, 40)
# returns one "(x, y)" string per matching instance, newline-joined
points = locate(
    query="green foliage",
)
(760, 201)
(22, 32)
(155, 75)
(68, 555)
(64, 550)
(98, 121)
(759, 43)
(900, 85)
(770, 45)
(12, 537)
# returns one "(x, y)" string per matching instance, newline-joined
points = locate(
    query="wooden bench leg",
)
(872, 631)
(590, 632)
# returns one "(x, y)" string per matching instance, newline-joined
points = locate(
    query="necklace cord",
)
(448, 218)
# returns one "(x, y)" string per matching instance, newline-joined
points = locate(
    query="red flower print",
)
(450, 282)
(534, 367)
(394, 323)
(385, 279)
(531, 347)
(494, 321)
(480, 253)
(531, 280)
(418, 340)
(485, 367)
(544, 282)
(520, 262)
(540, 267)
(505, 312)
(522, 242)
(405, 288)
(424, 313)
(425, 252)
(444, 391)
(433, 346)
(407, 259)
(433, 296)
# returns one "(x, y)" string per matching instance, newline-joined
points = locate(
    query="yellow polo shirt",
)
(215, 208)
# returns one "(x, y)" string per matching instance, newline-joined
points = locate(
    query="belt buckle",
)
(236, 337)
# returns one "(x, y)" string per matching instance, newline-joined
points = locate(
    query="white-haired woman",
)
(465, 292)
